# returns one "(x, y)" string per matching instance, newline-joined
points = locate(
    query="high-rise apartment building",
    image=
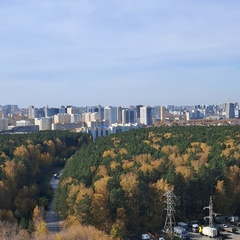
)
(138, 110)
(162, 113)
(159, 113)
(77, 118)
(128, 116)
(170, 108)
(43, 123)
(62, 110)
(101, 112)
(124, 116)
(35, 112)
(110, 114)
(9, 110)
(62, 118)
(237, 112)
(146, 116)
(50, 112)
(74, 110)
(31, 112)
(3, 124)
(230, 110)
(119, 114)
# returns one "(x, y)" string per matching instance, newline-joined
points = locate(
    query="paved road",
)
(230, 236)
(52, 219)
(225, 234)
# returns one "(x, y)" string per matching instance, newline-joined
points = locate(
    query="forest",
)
(26, 165)
(117, 183)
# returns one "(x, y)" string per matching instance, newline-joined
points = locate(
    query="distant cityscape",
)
(104, 120)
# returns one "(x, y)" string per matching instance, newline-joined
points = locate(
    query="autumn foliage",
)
(119, 181)
(25, 163)
(114, 187)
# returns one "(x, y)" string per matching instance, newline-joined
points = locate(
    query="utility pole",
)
(170, 219)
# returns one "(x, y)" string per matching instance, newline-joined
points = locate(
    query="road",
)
(52, 219)
(226, 235)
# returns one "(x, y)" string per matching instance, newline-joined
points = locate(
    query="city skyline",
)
(111, 119)
(170, 106)
(119, 53)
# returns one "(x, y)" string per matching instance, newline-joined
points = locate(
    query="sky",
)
(119, 52)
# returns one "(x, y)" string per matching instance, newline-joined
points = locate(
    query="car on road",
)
(56, 175)
(145, 236)
(224, 225)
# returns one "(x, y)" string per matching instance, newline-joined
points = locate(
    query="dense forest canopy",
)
(118, 182)
(25, 161)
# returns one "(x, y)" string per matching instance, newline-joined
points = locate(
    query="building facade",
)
(146, 116)
(230, 110)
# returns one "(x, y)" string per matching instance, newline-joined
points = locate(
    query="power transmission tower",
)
(170, 219)
(211, 212)
(210, 207)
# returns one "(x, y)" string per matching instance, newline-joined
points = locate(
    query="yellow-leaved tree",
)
(40, 227)
(99, 203)
(129, 184)
(119, 227)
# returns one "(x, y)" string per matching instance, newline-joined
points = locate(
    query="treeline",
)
(118, 182)
(25, 163)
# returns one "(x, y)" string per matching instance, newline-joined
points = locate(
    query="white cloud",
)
(126, 40)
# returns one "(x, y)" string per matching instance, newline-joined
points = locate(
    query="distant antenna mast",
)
(170, 219)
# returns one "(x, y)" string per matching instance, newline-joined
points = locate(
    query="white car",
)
(145, 236)
(224, 225)
(56, 175)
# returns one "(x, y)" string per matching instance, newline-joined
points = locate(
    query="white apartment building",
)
(188, 116)
(98, 124)
(74, 110)
(3, 124)
(110, 114)
(91, 117)
(43, 123)
(124, 116)
(62, 118)
(76, 118)
(116, 128)
(145, 116)
(95, 116)
(23, 123)
(31, 112)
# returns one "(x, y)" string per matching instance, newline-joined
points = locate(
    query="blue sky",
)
(119, 52)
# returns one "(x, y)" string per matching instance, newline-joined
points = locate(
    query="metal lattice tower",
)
(210, 212)
(170, 219)
(210, 207)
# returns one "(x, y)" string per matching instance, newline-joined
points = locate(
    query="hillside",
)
(117, 183)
